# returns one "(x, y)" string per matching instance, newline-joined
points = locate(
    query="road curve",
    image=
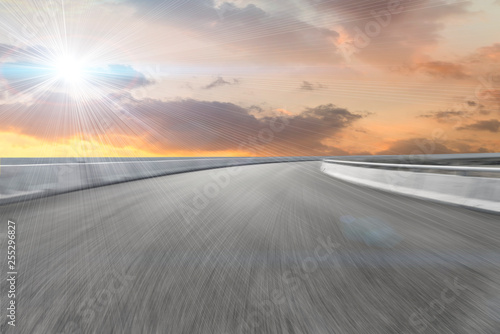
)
(275, 248)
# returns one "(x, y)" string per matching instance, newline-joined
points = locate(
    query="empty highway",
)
(274, 248)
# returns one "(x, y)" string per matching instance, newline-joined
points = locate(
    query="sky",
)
(137, 78)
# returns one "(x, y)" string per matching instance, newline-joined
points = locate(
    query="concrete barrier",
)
(472, 192)
(23, 179)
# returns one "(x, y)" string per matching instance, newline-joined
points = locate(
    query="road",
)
(275, 248)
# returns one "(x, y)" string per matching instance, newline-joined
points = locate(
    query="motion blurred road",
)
(275, 248)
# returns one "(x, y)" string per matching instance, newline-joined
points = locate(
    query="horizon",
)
(204, 78)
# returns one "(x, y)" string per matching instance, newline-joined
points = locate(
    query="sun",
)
(69, 69)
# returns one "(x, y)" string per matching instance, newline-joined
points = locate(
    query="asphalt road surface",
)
(276, 248)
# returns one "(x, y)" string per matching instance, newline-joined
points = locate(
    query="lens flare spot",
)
(70, 70)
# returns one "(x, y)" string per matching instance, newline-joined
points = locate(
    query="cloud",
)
(492, 125)
(248, 31)
(476, 66)
(117, 76)
(49, 119)
(183, 125)
(446, 116)
(211, 126)
(220, 82)
(490, 53)
(416, 146)
(441, 69)
(484, 150)
(408, 28)
(423, 146)
(10, 52)
(256, 107)
(306, 85)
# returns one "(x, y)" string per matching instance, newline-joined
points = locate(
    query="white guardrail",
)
(19, 182)
(420, 181)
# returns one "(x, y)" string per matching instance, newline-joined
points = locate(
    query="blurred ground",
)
(277, 248)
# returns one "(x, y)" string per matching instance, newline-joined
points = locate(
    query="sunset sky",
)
(248, 77)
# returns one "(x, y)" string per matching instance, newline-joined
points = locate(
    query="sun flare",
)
(69, 69)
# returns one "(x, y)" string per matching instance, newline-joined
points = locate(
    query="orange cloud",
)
(442, 69)
(284, 111)
(489, 53)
